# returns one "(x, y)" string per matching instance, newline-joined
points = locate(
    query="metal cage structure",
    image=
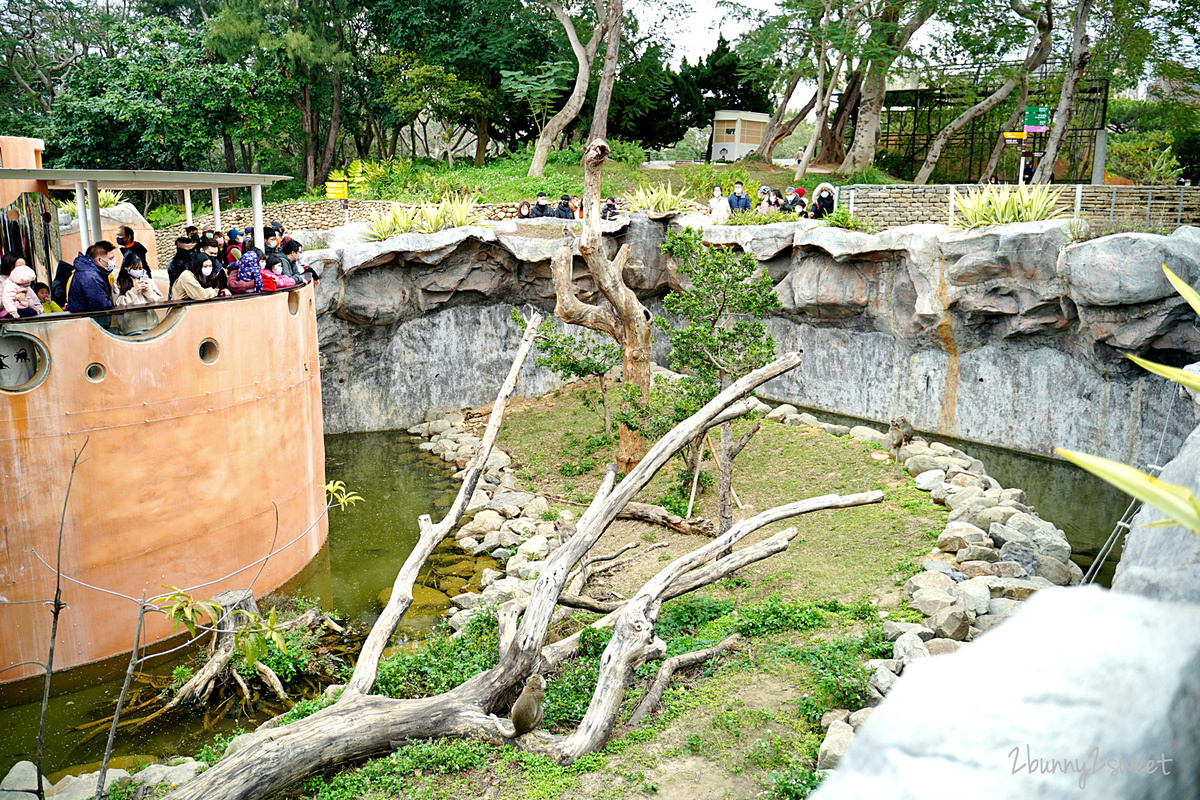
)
(912, 117)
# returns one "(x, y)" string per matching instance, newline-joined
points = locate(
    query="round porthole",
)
(95, 372)
(23, 362)
(209, 351)
(293, 303)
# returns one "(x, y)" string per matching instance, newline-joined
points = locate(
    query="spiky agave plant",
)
(659, 199)
(993, 205)
(392, 221)
(105, 197)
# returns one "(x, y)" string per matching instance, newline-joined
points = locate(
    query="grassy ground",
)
(745, 724)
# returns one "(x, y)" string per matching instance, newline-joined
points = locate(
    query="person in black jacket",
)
(58, 286)
(822, 204)
(125, 241)
(564, 210)
(609, 210)
(181, 260)
(542, 207)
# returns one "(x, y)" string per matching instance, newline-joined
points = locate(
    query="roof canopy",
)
(139, 179)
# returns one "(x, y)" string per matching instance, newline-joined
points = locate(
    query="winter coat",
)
(540, 211)
(564, 211)
(58, 287)
(139, 295)
(17, 295)
(718, 207)
(609, 212)
(90, 289)
(290, 268)
(271, 281)
(179, 265)
(739, 202)
(795, 206)
(822, 206)
(189, 288)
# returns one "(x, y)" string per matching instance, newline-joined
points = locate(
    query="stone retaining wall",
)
(901, 204)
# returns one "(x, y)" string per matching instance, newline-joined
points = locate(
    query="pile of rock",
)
(516, 528)
(23, 775)
(993, 553)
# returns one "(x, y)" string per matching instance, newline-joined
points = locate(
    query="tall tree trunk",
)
(874, 89)
(230, 163)
(833, 135)
(481, 140)
(335, 124)
(310, 134)
(822, 110)
(777, 128)
(1013, 120)
(608, 72)
(585, 56)
(1038, 51)
(1081, 55)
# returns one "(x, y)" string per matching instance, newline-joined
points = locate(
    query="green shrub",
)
(840, 217)
(776, 616)
(161, 217)
(625, 152)
(440, 663)
(992, 205)
(105, 197)
(305, 708)
(793, 784)
(760, 218)
(658, 199)
(686, 615)
(698, 180)
(569, 692)
(1144, 158)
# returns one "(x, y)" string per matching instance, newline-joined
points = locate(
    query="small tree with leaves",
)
(569, 357)
(723, 303)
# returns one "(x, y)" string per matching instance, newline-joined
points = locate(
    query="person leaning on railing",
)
(198, 281)
(89, 288)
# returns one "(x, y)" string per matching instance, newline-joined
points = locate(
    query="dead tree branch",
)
(669, 668)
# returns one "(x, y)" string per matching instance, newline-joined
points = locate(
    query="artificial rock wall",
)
(1009, 335)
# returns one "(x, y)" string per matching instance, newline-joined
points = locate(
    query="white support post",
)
(81, 217)
(93, 193)
(851, 201)
(1078, 198)
(257, 214)
(187, 205)
(1021, 171)
(1099, 156)
(216, 198)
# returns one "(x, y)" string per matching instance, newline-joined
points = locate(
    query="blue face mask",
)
(120, 239)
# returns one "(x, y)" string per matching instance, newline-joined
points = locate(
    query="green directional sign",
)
(1037, 119)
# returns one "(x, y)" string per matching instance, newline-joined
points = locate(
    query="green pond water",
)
(367, 543)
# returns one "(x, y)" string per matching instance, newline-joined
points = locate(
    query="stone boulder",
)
(951, 622)
(1120, 679)
(1164, 563)
(23, 775)
(837, 741)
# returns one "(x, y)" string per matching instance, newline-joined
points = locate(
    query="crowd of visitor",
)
(206, 264)
(568, 207)
(790, 201)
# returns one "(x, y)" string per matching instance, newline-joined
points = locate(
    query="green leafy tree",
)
(723, 304)
(1143, 158)
(159, 104)
(574, 357)
(540, 90)
(414, 87)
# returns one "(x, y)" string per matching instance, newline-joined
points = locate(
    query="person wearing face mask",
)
(198, 281)
(718, 207)
(135, 288)
(126, 241)
(245, 274)
(273, 278)
(89, 288)
(542, 207)
(609, 209)
(739, 200)
(233, 246)
(794, 202)
(822, 204)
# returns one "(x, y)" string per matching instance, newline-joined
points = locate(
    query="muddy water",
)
(1083, 506)
(367, 544)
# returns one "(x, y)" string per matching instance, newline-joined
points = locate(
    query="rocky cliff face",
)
(1009, 335)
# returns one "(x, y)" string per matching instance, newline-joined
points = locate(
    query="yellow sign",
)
(336, 190)
(1014, 134)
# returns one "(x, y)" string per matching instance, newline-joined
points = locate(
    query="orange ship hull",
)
(196, 435)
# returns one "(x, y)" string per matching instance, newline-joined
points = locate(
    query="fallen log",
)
(669, 668)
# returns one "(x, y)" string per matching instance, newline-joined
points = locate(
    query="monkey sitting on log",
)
(526, 713)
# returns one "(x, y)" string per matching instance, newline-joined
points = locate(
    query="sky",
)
(694, 35)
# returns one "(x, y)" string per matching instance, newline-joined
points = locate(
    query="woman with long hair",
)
(134, 287)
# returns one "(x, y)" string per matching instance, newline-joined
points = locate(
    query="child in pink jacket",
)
(17, 299)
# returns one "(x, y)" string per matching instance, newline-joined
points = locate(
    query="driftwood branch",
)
(657, 515)
(432, 535)
(669, 668)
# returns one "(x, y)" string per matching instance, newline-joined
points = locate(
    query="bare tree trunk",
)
(230, 164)
(608, 72)
(870, 108)
(623, 317)
(1081, 56)
(584, 58)
(1013, 120)
(335, 125)
(833, 135)
(822, 110)
(1038, 51)
(481, 140)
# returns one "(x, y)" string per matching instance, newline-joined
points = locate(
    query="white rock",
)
(535, 548)
(930, 479)
(836, 743)
(780, 413)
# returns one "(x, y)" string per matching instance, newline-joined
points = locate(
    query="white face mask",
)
(206, 271)
(136, 274)
(717, 191)
(737, 190)
(278, 270)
